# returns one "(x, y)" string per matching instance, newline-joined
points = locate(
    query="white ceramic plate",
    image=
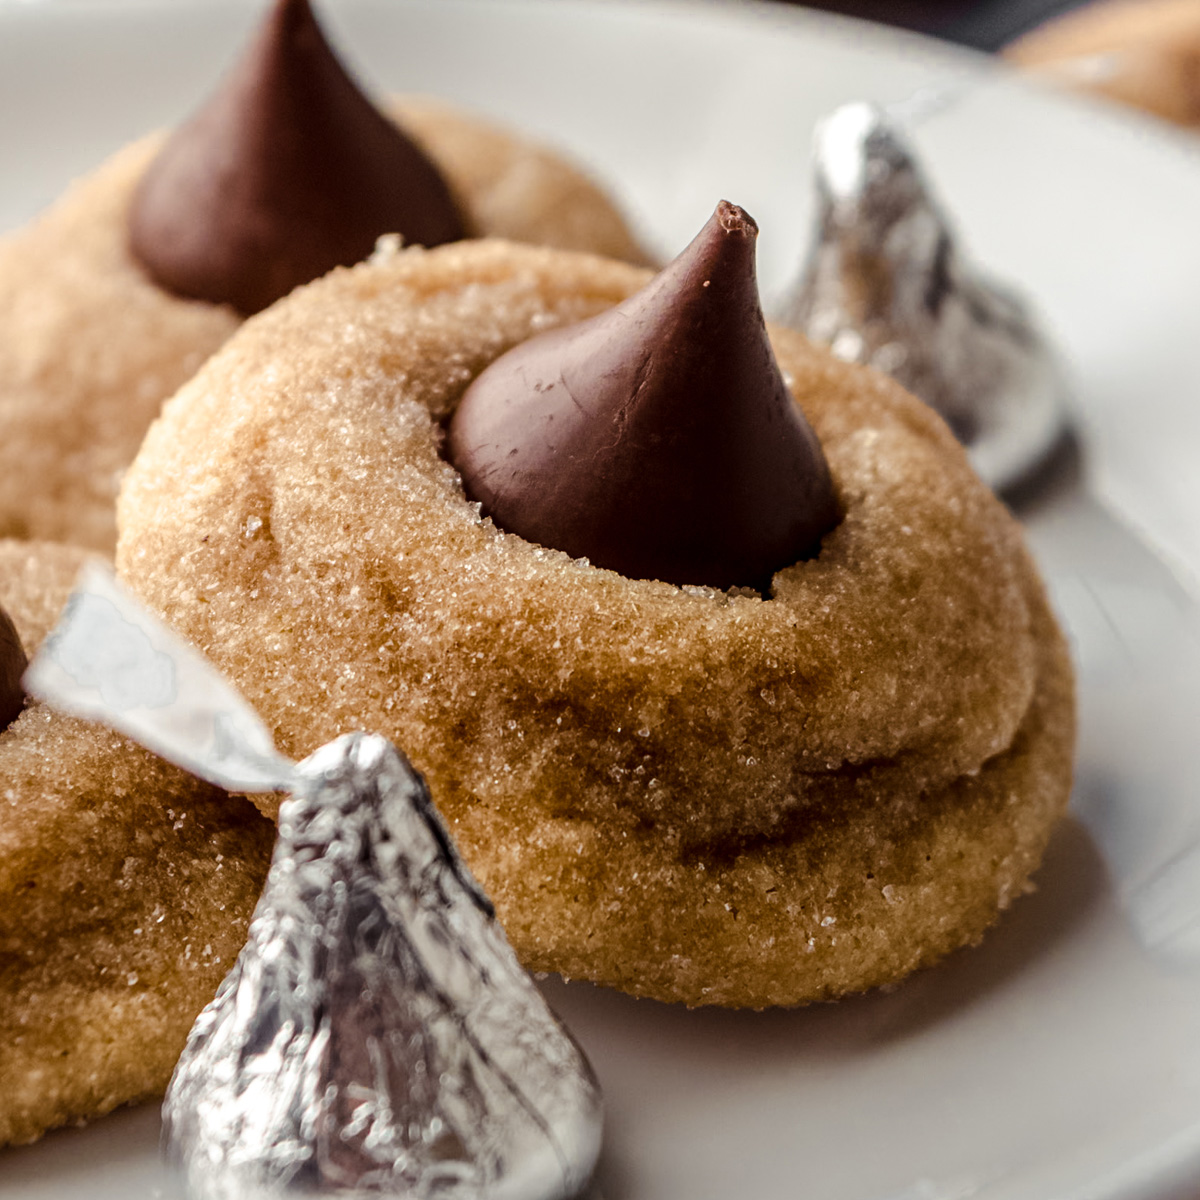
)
(1062, 1058)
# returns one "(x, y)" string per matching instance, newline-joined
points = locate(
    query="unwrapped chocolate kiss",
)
(12, 665)
(287, 172)
(657, 439)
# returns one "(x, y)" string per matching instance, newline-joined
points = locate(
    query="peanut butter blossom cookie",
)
(734, 683)
(126, 888)
(118, 293)
(1141, 52)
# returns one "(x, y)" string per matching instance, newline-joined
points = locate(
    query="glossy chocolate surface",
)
(657, 439)
(12, 667)
(287, 172)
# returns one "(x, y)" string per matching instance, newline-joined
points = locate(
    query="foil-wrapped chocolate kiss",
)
(377, 1036)
(885, 285)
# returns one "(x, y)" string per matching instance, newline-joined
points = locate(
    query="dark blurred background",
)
(984, 24)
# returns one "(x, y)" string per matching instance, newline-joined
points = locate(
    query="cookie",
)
(93, 340)
(126, 889)
(703, 795)
(1145, 53)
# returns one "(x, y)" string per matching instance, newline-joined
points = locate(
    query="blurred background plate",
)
(1062, 1058)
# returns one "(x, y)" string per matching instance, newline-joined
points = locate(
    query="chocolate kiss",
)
(12, 667)
(286, 172)
(657, 439)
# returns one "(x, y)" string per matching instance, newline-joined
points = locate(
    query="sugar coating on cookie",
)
(90, 347)
(126, 889)
(692, 794)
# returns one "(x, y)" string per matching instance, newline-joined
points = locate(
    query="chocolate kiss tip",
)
(285, 173)
(734, 219)
(657, 439)
(12, 667)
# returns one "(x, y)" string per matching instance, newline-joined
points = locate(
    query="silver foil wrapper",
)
(885, 285)
(109, 660)
(377, 1036)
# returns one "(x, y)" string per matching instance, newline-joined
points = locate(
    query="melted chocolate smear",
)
(12, 667)
(287, 172)
(657, 439)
